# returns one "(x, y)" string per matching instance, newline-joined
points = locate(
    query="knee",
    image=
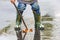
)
(35, 6)
(21, 7)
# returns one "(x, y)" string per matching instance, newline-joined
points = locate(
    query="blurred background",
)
(47, 7)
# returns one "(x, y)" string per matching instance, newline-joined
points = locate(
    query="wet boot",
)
(37, 24)
(41, 27)
(18, 33)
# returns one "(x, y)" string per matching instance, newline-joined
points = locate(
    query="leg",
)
(37, 18)
(21, 8)
(36, 13)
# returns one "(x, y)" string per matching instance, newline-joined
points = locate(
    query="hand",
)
(12, 1)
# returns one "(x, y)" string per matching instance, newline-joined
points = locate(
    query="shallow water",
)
(50, 33)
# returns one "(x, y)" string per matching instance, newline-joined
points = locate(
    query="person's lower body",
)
(37, 18)
(36, 12)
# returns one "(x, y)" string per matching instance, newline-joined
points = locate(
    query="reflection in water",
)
(47, 33)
